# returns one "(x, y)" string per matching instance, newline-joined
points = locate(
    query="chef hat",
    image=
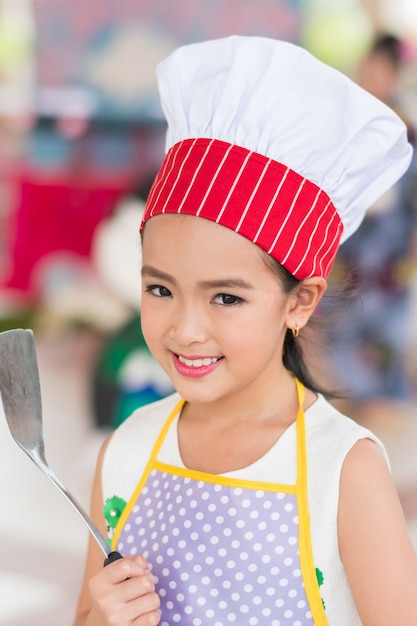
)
(270, 142)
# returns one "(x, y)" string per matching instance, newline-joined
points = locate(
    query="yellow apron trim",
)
(131, 503)
(219, 479)
(305, 544)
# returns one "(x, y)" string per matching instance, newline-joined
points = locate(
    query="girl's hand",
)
(123, 594)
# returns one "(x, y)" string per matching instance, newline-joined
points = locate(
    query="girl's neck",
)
(264, 405)
(234, 435)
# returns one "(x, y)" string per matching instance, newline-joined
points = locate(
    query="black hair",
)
(390, 46)
(293, 353)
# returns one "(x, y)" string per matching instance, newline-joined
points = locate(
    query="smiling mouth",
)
(205, 362)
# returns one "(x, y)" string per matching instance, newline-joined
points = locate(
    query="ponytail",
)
(293, 356)
(294, 361)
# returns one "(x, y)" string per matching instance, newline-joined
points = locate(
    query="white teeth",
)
(198, 362)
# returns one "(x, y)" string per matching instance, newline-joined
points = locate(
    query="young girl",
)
(245, 498)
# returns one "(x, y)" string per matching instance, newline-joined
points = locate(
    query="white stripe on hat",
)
(222, 210)
(271, 204)
(299, 229)
(224, 159)
(195, 174)
(178, 176)
(253, 195)
(312, 236)
(158, 181)
(163, 179)
(287, 216)
(339, 228)
(323, 245)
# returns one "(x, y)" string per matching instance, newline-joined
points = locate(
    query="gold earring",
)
(295, 331)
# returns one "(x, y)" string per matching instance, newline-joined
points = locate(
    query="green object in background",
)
(118, 347)
(24, 318)
(16, 34)
(127, 376)
(338, 33)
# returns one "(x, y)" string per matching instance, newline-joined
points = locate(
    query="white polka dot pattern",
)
(221, 555)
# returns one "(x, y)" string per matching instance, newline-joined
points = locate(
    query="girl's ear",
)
(304, 300)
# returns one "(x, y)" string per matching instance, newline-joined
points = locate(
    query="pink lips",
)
(193, 372)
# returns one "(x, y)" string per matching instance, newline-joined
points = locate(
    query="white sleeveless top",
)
(143, 468)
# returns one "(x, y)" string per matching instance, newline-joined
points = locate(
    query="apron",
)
(223, 550)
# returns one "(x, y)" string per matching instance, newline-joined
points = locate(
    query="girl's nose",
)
(188, 326)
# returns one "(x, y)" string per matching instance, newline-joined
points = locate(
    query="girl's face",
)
(213, 314)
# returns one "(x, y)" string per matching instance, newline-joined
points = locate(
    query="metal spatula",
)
(21, 396)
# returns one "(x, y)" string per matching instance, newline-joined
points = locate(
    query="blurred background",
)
(81, 138)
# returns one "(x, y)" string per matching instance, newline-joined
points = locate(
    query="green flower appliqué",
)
(113, 509)
(320, 580)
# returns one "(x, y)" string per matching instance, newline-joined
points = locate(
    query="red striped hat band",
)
(286, 215)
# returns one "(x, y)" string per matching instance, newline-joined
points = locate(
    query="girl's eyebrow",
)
(152, 272)
(221, 283)
(225, 282)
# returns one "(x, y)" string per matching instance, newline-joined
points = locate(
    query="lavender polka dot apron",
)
(225, 551)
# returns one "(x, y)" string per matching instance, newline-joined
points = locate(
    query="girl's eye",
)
(158, 290)
(225, 299)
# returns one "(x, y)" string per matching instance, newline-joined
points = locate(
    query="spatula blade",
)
(20, 387)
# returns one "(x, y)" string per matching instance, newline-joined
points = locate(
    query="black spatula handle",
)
(113, 556)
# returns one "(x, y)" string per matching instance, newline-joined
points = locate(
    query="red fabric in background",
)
(55, 215)
(62, 188)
